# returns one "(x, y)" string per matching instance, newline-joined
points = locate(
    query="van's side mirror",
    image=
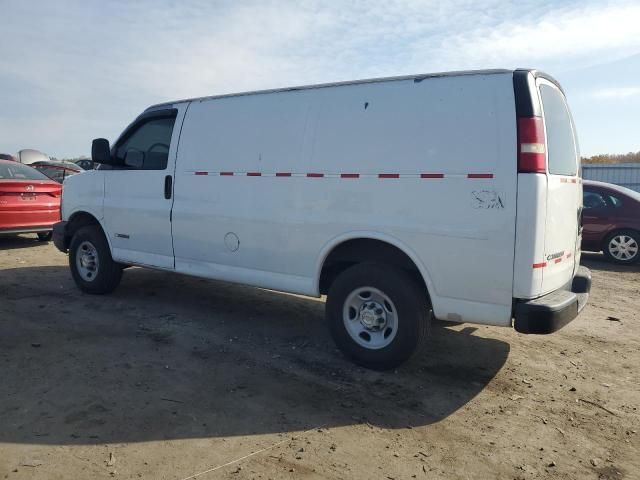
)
(100, 151)
(134, 159)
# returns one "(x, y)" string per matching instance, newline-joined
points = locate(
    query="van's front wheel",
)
(377, 314)
(92, 267)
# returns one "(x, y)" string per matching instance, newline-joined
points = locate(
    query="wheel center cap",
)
(372, 316)
(368, 318)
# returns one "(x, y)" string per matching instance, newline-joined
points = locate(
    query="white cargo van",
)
(455, 195)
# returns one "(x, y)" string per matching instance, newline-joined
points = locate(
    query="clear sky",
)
(71, 71)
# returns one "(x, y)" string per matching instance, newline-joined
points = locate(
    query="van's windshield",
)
(561, 145)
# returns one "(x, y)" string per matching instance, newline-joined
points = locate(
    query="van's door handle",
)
(168, 182)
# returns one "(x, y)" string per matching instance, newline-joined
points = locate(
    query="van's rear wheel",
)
(623, 247)
(377, 314)
(92, 267)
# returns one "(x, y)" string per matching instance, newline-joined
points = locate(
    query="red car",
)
(611, 221)
(29, 200)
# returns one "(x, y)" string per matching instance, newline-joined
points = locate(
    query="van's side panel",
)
(240, 135)
(460, 227)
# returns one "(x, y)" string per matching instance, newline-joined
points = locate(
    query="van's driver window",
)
(150, 142)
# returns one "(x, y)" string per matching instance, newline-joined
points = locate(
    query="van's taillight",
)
(531, 149)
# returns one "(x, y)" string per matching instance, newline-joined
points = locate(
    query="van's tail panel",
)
(547, 249)
(549, 189)
(529, 266)
(561, 231)
(564, 190)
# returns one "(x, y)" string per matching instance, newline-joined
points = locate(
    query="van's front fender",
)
(83, 192)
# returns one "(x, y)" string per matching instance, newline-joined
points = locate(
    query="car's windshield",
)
(18, 171)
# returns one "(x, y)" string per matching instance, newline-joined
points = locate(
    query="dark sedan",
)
(611, 221)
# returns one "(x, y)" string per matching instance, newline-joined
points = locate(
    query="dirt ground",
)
(171, 376)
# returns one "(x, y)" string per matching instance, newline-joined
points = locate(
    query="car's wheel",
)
(623, 247)
(45, 236)
(377, 314)
(92, 267)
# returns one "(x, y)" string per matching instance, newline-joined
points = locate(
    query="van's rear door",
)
(564, 190)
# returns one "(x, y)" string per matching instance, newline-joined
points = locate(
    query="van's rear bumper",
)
(553, 311)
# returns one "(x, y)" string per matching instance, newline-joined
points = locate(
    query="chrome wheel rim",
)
(87, 261)
(623, 247)
(370, 318)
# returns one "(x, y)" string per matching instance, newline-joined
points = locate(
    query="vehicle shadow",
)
(169, 357)
(597, 261)
(10, 242)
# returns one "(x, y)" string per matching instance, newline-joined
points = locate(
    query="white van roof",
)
(416, 78)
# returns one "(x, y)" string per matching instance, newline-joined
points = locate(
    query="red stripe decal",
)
(573, 180)
(540, 265)
(357, 175)
(202, 173)
(558, 260)
(563, 180)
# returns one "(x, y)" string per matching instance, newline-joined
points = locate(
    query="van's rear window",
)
(561, 144)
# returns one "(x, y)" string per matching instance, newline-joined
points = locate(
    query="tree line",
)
(631, 157)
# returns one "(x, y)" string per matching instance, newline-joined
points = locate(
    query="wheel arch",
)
(370, 246)
(79, 219)
(619, 229)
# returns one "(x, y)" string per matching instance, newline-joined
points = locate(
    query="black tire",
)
(410, 301)
(108, 273)
(634, 239)
(45, 236)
